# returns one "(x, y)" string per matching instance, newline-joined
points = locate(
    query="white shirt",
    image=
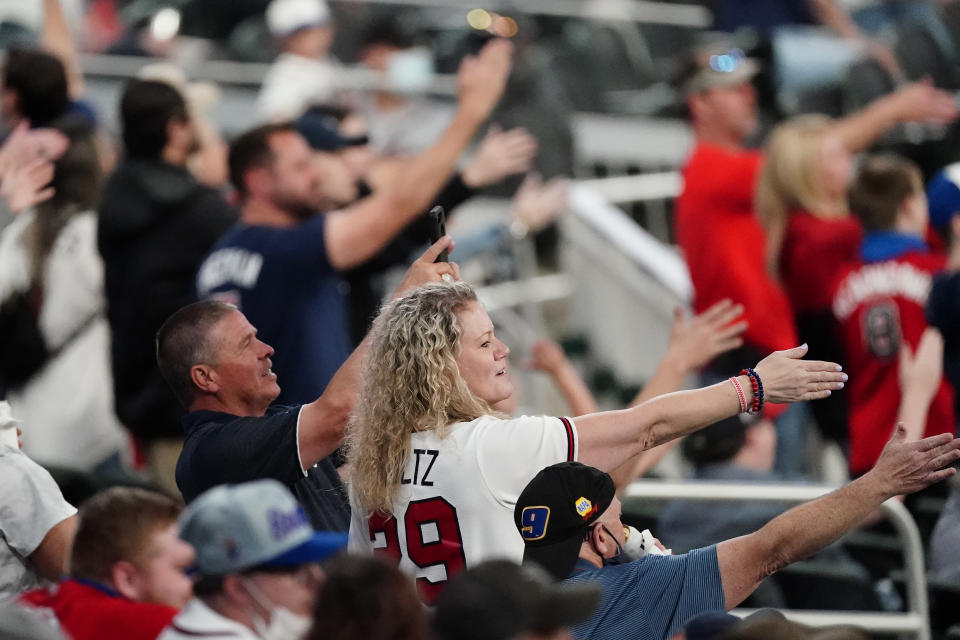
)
(461, 490)
(30, 506)
(67, 407)
(197, 620)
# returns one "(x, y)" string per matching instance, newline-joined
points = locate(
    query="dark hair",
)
(718, 442)
(880, 187)
(184, 340)
(40, 82)
(389, 32)
(116, 524)
(364, 597)
(146, 108)
(252, 150)
(77, 179)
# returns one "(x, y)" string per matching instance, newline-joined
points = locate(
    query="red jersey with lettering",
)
(813, 249)
(880, 305)
(723, 243)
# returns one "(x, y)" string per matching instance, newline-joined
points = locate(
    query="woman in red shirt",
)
(801, 200)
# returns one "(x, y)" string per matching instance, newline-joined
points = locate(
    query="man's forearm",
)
(806, 529)
(323, 422)
(860, 129)
(421, 179)
(794, 535)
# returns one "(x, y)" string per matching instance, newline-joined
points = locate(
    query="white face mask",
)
(283, 624)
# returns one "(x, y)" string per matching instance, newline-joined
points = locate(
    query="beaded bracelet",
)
(740, 395)
(757, 385)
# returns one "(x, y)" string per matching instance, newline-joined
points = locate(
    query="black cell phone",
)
(438, 229)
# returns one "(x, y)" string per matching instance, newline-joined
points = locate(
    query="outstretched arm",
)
(323, 421)
(917, 102)
(693, 343)
(357, 232)
(609, 439)
(903, 467)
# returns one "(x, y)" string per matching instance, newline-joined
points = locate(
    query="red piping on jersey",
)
(569, 428)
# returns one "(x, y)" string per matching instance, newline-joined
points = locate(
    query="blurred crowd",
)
(247, 394)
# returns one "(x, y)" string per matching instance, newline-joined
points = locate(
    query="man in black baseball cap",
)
(557, 511)
(569, 518)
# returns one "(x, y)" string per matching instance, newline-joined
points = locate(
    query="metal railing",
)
(915, 621)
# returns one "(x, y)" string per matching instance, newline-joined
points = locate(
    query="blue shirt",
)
(887, 245)
(281, 280)
(651, 598)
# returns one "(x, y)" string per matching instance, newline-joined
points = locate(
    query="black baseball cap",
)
(321, 133)
(499, 600)
(555, 510)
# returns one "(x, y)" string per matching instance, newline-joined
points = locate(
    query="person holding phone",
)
(286, 254)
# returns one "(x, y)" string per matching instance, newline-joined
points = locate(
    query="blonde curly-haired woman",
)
(436, 471)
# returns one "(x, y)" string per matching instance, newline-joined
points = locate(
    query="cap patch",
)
(585, 508)
(283, 523)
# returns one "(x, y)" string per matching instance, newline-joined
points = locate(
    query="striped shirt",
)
(651, 598)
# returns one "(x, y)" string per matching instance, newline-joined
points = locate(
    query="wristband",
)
(740, 394)
(757, 405)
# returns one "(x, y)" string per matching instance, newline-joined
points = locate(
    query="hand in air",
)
(424, 270)
(786, 377)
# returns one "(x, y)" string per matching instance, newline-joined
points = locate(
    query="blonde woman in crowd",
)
(436, 471)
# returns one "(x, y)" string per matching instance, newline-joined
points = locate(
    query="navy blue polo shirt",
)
(281, 280)
(651, 598)
(221, 448)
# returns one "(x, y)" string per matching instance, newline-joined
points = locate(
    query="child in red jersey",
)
(879, 305)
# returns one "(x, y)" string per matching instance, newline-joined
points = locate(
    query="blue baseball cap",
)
(321, 134)
(943, 195)
(260, 523)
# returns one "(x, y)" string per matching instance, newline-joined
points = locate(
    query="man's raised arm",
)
(323, 421)
(904, 467)
(359, 231)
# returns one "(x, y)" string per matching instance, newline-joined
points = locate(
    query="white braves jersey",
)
(454, 507)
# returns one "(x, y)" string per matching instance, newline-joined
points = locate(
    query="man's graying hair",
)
(184, 340)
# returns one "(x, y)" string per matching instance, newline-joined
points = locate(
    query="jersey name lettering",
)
(235, 265)
(886, 279)
(425, 464)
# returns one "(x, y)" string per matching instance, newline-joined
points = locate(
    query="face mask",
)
(638, 544)
(283, 625)
(620, 557)
(410, 70)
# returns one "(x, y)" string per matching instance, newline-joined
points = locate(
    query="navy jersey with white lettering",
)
(454, 507)
(281, 280)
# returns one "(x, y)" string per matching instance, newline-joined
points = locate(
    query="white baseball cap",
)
(286, 17)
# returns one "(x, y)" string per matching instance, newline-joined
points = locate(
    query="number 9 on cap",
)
(534, 521)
